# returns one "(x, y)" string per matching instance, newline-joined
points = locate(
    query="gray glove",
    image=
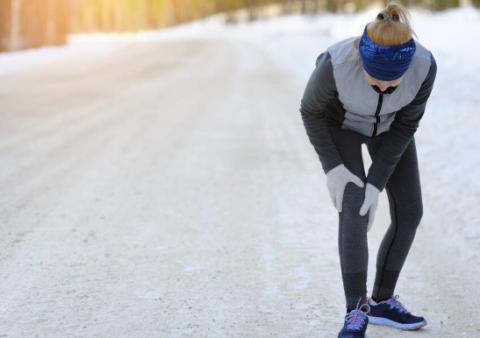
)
(370, 203)
(337, 179)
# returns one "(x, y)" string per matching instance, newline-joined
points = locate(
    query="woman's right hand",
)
(337, 179)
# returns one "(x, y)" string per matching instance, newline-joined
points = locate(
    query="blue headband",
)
(385, 62)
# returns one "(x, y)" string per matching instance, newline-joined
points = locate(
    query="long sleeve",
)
(401, 133)
(319, 91)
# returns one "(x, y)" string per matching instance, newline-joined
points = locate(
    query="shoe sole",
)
(365, 336)
(389, 322)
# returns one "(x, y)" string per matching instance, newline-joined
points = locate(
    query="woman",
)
(372, 89)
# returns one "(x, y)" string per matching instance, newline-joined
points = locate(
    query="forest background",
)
(35, 23)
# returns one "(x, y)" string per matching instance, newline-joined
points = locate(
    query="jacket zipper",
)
(377, 113)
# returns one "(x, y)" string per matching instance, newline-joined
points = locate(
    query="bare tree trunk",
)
(303, 7)
(14, 39)
(50, 29)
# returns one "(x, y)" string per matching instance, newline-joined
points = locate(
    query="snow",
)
(257, 276)
(19, 60)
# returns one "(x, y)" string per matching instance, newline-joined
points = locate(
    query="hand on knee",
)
(370, 203)
(337, 179)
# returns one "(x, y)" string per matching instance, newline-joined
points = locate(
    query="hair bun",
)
(388, 16)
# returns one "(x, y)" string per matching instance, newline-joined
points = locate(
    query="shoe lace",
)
(396, 304)
(356, 318)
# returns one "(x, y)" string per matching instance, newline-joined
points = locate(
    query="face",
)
(382, 85)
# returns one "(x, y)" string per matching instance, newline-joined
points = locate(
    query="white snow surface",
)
(101, 238)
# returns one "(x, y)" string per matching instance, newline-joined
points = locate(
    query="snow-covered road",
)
(168, 189)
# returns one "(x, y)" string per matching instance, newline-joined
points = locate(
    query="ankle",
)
(375, 301)
(361, 301)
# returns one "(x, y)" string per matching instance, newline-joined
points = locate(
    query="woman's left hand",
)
(370, 203)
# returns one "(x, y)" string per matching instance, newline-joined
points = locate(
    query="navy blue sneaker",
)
(393, 313)
(356, 322)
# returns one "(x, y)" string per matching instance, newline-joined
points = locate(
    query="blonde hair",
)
(390, 27)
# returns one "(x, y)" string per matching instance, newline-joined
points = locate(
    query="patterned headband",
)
(385, 62)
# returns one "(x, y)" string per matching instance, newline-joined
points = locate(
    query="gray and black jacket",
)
(338, 93)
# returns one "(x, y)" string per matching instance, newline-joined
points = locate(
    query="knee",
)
(352, 198)
(352, 201)
(415, 214)
(406, 209)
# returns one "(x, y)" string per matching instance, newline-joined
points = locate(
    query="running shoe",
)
(393, 313)
(356, 322)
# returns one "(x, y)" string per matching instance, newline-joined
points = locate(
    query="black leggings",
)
(406, 208)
